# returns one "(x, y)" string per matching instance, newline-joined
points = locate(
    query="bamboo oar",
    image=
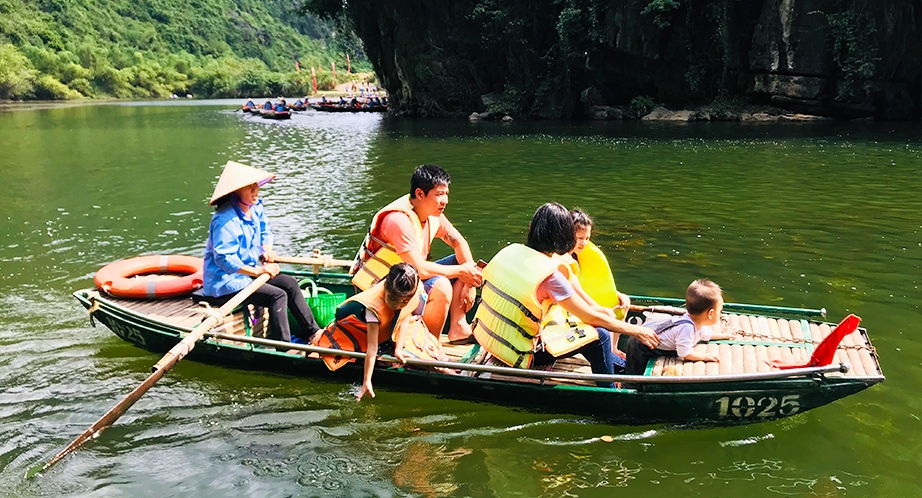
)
(540, 374)
(669, 310)
(163, 366)
(323, 261)
(739, 307)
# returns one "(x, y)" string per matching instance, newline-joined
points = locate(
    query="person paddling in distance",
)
(704, 302)
(403, 231)
(521, 285)
(239, 249)
(377, 320)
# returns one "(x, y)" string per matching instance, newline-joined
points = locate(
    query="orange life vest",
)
(350, 333)
(375, 256)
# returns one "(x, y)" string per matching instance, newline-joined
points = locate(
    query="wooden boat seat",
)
(188, 312)
(760, 339)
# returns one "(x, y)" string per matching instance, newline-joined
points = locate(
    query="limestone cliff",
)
(558, 59)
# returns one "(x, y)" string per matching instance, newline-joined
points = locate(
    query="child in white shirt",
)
(704, 303)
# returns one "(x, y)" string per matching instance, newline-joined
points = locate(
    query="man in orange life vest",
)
(403, 231)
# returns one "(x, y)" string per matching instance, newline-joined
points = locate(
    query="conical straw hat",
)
(236, 176)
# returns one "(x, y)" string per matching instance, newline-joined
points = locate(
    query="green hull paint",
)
(723, 403)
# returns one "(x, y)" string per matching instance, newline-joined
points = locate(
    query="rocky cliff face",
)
(558, 59)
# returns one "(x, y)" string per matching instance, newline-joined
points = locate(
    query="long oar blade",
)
(108, 419)
(178, 352)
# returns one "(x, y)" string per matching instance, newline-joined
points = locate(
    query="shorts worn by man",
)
(403, 231)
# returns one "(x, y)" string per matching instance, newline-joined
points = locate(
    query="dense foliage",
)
(62, 49)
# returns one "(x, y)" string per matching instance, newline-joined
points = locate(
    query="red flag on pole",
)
(348, 65)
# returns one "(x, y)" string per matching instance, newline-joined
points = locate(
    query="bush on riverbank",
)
(66, 49)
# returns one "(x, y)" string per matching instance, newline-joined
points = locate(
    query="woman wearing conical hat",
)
(239, 249)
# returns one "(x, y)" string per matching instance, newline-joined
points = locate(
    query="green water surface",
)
(816, 215)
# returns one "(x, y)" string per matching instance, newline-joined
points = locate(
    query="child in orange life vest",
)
(368, 319)
(704, 303)
(400, 287)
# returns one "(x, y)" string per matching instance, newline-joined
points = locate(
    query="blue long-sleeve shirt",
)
(234, 241)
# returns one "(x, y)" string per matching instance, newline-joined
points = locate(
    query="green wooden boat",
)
(740, 389)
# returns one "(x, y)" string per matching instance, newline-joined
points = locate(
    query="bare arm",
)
(468, 272)
(696, 356)
(717, 336)
(400, 337)
(371, 355)
(456, 241)
(576, 305)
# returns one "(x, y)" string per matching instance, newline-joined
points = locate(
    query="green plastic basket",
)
(323, 302)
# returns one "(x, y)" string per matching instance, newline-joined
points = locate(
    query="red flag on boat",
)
(825, 351)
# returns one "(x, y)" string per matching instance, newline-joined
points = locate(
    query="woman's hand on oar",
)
(170, 359)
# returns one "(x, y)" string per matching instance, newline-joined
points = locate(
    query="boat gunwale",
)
(178, 332)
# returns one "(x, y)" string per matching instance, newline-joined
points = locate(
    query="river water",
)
(804, 215)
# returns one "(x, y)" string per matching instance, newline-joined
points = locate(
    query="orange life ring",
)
(114, 277)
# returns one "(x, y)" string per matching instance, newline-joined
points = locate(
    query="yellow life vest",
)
(375, 257)
(351, 332)
(596, 278)
(562, 332)
(508, 319)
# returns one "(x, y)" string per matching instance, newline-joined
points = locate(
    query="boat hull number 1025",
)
(761, 406)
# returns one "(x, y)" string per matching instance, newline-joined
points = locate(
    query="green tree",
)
(16, 73)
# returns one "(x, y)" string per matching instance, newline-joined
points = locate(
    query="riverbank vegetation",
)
(67, 49)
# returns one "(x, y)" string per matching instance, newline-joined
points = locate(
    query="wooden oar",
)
(316, 262)
(669, 310)
(163, 366)
(541, 374)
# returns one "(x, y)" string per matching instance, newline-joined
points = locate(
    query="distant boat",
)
(334, 107)
(270, 114)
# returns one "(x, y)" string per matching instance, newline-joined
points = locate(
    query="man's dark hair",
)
(402, 280)
(427, 177)
(551, 230)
